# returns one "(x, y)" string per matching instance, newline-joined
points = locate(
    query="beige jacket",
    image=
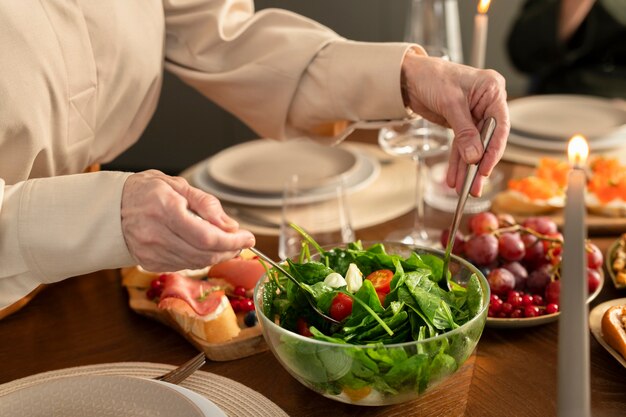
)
(80, 79)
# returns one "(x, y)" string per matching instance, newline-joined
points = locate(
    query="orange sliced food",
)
(608, 180)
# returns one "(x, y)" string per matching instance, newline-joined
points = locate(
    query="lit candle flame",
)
(577, 151)
(483, 6)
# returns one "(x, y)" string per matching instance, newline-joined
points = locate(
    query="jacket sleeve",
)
(43, 220)
(280, 73)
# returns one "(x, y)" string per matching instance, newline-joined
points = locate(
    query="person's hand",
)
(169, 225)
(460, 97)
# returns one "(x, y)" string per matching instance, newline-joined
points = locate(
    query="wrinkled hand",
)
(161, 232)
(460, 97)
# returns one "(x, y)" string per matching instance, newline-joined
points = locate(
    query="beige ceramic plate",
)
(101, 396)
(595, 325)
(263, 166)
(559, 117)
(367, 171)
(536, 321)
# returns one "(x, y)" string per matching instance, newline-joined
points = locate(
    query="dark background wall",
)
(188, 128)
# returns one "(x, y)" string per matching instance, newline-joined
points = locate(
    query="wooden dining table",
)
(86, 320)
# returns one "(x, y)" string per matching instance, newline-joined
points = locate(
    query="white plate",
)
(368, 168)
(536, 321)
(613, 140)
(207, 406)
(103, 396)
(595, 325)
(263, 166)
(559, 117)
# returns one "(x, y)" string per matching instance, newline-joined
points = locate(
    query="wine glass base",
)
(425, 237)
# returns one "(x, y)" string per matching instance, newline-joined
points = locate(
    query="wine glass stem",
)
(421, 172)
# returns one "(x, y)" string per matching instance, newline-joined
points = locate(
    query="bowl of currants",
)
(522, 263)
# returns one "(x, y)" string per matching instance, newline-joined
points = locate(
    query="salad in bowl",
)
(399, 333)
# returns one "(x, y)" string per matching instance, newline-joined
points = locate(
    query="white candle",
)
(573, 376)
(479, 41)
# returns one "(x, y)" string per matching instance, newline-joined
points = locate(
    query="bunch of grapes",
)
(522, 262)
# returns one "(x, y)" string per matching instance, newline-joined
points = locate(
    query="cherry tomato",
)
(381, 280)
(341, 306)
(303, 327)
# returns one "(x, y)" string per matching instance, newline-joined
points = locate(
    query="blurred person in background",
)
(571, 46)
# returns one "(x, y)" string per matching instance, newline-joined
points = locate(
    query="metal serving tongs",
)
(470, 175)
(306, 290)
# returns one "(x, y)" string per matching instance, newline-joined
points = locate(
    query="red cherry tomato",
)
(341, 306)
(381, 280)
(303, 327)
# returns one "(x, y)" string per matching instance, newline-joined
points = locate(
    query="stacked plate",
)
(254, 173)
(542, 125)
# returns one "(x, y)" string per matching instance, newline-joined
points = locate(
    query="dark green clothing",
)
(593, 62)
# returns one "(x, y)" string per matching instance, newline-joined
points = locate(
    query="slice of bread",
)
(614, 328)
(516, 203)
(216, 327)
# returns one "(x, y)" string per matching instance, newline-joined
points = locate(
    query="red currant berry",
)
(152, 294)
(507, 308)
(247, 304)
(517, 313)
(235, 304)
(552, 308)
(531, 311)
(239, 291)
(527, 300)
(537, 300)
(496, 304)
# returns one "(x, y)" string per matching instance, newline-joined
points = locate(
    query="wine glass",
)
(435, 25)
(327, 221)
(420, 139)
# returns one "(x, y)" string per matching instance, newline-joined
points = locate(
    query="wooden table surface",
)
(86, 320)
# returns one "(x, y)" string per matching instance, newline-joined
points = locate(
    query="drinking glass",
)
(418, 139)
(327, 222)
(434, 24)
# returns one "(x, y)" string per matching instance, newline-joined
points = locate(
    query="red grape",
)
(511, 247)
(535, 254)
(482, 249)
(542, 225)
(458, 247)
(519, 272)
(594, 256)
(539, 279)
(485, 222)
(501, 281)
(593, 280)
(553, 291)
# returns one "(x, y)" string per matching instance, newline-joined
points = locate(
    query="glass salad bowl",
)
(428, 333)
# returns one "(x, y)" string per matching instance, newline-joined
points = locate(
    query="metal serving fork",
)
(183, 371)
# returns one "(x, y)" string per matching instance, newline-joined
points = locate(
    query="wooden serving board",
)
(596, 224)
(249, 341)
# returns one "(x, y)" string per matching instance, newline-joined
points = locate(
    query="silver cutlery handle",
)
(470, 175)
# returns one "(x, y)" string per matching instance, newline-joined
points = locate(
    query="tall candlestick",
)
(573, 377)
(479, 41)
